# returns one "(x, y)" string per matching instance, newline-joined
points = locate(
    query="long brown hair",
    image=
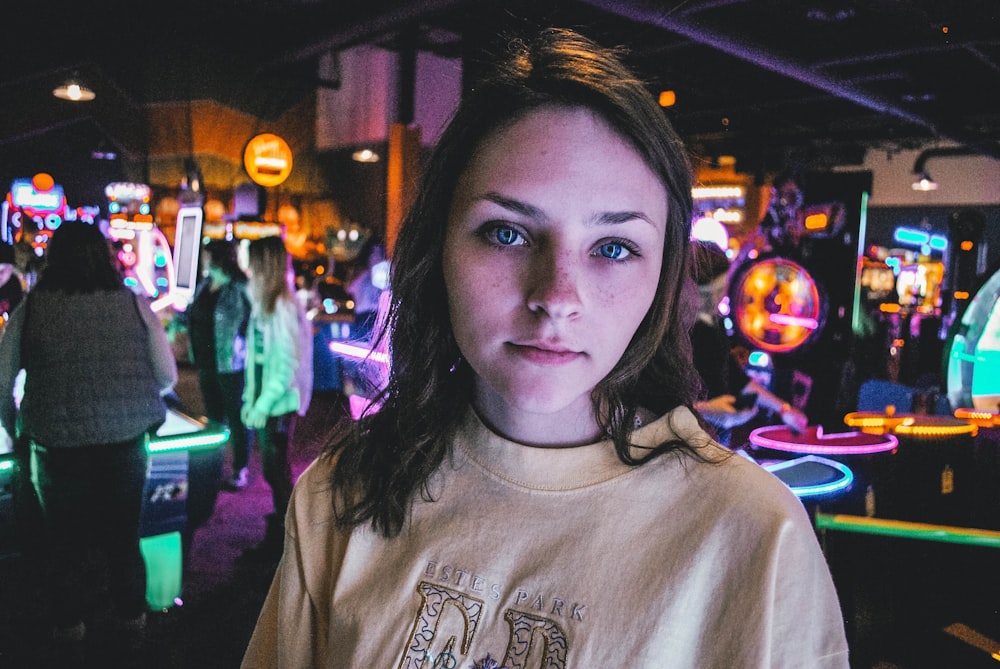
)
(389, 455)
(270, 270)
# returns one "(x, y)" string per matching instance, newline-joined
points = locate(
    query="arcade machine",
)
(31, 212)
(719, 212)
(142, 249)
(901, 300)
(973, 374)
(790, 302)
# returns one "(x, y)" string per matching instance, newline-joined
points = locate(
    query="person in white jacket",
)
(279, 374)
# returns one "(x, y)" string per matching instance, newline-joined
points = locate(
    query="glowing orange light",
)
(816, 222)
(898, 343)
(961, 295)
(43, 182)
(922, 430)
(979, 417)
(320, 270)
(966, 245)
(668, 98)
(889, 308)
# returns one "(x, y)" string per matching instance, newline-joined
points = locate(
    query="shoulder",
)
(721, 477)
(312, 498)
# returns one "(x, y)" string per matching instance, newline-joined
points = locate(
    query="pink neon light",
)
(785, 319)
(359, 352)
(813, 441)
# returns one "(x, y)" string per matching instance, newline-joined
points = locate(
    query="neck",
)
(574, 425)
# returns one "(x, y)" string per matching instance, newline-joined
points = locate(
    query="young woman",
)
(535, 491)
(278, 374)
(97, 363)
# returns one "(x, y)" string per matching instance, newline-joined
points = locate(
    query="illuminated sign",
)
(267, 160)
(38, 196)
(128, 200)
(919, 238)
(256, 230)
(40, 201)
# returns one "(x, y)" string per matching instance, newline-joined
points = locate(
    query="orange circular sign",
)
(267, 159)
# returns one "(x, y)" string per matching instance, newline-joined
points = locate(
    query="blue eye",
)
(613, 250)
(506, 236)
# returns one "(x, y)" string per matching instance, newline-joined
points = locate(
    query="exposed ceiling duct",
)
(740, 47)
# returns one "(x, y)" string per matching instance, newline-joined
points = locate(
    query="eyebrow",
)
(530, 211)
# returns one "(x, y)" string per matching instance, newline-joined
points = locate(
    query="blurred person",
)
(279, 375)
(97, 365)
(365, 290)
(11, 283)
(534, 489)
(782, 227)
(732, 397)
(216, 322)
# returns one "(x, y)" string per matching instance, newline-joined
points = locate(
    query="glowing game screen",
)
(776, 305)
(974, 357)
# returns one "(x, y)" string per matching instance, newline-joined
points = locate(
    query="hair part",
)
(388, 456)
(271, 269)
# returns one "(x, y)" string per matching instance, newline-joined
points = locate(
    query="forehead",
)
(555, 150)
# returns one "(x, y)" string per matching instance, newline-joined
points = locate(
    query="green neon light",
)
(163, 557)
(951, 534)
(188, 442)
(856, 324)
(6, 464)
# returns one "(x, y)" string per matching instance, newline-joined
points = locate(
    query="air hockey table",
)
(185, 467)
(832, 468)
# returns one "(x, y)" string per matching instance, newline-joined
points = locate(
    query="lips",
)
(544, 353)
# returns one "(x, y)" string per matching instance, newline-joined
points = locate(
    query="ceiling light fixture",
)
(365, 156)
(74, 91)
(924, 182)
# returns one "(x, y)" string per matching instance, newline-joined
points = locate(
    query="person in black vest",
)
(97, 365)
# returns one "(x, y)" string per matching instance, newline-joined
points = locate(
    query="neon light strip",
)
(187, 442)
(888, 443)
(784, 319)
(856, 324)
(969, 536)
(918, 430)
(911, 236)
(359, 352)
(821, 488)
(6, 464)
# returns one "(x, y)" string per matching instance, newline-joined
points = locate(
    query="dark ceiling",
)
(768, 81)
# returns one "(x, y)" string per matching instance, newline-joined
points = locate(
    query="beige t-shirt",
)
(560, 558)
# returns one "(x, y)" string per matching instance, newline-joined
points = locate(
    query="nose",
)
(553, 285)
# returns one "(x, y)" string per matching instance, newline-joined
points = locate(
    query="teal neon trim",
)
(967, 536)
(856, 325)
(188, 442)
(817, 489)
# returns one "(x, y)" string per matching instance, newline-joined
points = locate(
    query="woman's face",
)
(551, 260)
